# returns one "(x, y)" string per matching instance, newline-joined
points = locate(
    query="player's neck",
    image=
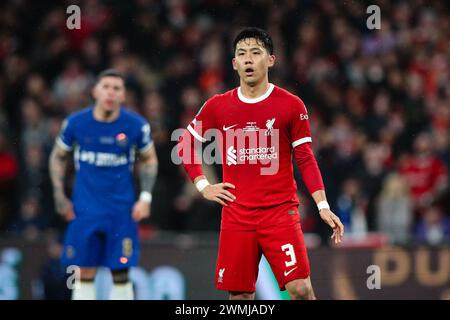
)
(256, 91)
(105, 116)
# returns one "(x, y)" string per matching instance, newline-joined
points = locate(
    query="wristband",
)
(201, 184)
(323, 205)
(145, 196)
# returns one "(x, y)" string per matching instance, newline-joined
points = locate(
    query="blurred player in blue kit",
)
(104, 212)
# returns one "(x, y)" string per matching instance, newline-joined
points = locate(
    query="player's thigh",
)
(237, 261)
(284, 248)
(83, 244)
(122, 243)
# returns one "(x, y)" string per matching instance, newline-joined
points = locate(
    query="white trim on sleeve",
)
(195, 134)
(146, 147)
(62, 145)
(301, 141)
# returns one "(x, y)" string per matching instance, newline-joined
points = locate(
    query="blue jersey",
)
(104, 154)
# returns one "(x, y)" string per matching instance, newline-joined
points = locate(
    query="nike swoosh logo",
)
(287, 273)
(227, 128)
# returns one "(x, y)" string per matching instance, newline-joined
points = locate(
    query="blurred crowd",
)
(379, 101)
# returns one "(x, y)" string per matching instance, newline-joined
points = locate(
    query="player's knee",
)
(120, 276)
(300, 289)
(242, 296)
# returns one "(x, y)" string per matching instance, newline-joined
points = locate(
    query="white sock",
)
(123, 291)
(85, 291)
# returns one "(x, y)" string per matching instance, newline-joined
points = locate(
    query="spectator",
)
(394, 209)
(426, 174)
(31, 222)
(9, 170)
(351, 207)
(434, 227)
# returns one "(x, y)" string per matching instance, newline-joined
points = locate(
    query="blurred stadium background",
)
(379, 102)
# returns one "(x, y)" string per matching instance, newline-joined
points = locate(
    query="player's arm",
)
(191, 161)
(192, 165)
(148, 171)
(58, 165)
(312, 178)
(307, 164)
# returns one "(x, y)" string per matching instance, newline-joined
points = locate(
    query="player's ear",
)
(123, 96)
(272, 59)
(122, 91)
(233, 61)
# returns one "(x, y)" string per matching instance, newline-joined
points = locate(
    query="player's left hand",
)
(141, 210)
(335, 223)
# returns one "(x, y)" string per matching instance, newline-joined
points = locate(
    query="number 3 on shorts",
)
(289, 250)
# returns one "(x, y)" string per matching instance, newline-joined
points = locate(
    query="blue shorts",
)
(109, 241)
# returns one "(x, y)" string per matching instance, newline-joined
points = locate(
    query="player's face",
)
(252, 61)
(109, 93)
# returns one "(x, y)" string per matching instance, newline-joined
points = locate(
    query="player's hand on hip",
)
(334, 222)
(64, 207)
(219, 193)
(141, 210)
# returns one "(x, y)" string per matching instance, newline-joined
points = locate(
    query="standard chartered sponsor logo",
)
(231, 156)
(249, 155)
(259, 153)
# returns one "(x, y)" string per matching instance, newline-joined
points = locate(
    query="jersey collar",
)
(255, 100)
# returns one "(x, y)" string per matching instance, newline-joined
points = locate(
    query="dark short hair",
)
(110, 73)
(256, 33)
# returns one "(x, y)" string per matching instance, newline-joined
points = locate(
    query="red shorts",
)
(240, 251)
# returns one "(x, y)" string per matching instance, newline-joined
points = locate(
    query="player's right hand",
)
(64, 207)
(218, 193)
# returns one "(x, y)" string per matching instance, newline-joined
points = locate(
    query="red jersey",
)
(424, 175)
(258, 138)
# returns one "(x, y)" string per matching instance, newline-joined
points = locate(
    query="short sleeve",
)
(203, 121)
(144, 141)
(66, 137)
(299, 124)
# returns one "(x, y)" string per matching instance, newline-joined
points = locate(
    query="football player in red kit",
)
(258, 127)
